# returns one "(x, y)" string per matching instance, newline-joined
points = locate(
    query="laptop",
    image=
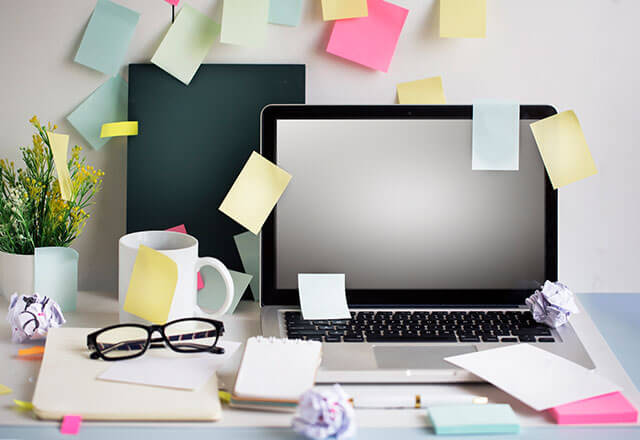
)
(438, 258)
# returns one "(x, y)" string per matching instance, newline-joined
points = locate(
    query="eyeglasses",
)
(126, 341)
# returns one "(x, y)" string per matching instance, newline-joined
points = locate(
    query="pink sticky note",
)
(173, 2)
(70, 424)
(608, 408)
(182, 229)
(370, 41)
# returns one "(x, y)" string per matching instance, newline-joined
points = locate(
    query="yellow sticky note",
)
(5, 389)
(255, 192)
(36, 349)
(339, 9)
(563, 148)
(224, 396)
(23, 405)
(422, 91)
(463, 18)
(125, 128)
(59, 144)
(152, 286)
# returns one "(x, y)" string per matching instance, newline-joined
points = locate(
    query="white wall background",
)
(574, 54)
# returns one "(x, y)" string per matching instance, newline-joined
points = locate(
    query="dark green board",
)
(192, 143)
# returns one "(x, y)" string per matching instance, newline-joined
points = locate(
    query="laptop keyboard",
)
(421, 326)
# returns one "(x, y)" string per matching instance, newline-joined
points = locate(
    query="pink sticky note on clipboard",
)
(183, 230)
(370, 41)
(70, 424)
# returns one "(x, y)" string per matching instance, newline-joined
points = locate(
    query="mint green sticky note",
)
(248, 248)
(55, 274)
(244, 22)
(496, 138)
(474, 419)
(285, 12)
(211, 296)
(185, 45)
(107, 37)
(108, 103)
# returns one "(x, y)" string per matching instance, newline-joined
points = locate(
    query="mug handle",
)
(228, 282)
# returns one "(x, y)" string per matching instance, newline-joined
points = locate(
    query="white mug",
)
(183, 250)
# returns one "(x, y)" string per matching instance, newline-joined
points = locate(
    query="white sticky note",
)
(496, 135)
(323, 296)
(160, 371)
(534, 376)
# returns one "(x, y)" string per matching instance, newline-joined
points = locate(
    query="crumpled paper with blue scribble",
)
(553, 304)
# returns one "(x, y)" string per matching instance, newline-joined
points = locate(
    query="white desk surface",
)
(98, 310)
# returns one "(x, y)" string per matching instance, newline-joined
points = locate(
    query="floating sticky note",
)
(5, 390)
(185, 45)
(36, 349)
(125, 128)
(28, 406)
(183, 230)
(370, 41)
(473, 419)
(248, 248)
(285, 12)
(106, 39)
(255, 192)
(55, 274)
(563, 148)
(212, 296)
(608, 408)
(59, 144)
(422, 91)
(244, 22)
(463, 18)
(339, 9)
(108, 103)
(496, 135)
(70, 424)
(152, 286)
(173, 2)
(323, 296)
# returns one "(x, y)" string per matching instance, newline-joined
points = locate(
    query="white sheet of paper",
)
(189, 373)
(534, 376)
(323, 296)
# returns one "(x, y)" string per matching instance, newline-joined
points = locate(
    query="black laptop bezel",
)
(380, 298)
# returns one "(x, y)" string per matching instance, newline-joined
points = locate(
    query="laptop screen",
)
(395, 204)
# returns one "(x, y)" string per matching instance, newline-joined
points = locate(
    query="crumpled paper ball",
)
(553, 304)
(325, 414)
(31, 316)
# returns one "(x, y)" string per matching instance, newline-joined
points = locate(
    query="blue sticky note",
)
(248, 248)
(474, 419)
(496, 141)
(285, 12)
(106, 39)
(108, 103)
(211, 296)
(55, 274)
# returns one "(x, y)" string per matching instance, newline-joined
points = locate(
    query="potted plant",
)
(33, 213)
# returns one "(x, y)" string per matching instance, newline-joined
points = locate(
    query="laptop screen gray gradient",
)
(394, 204)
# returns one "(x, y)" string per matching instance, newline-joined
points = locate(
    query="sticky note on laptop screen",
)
(496, 135)
(422, 91)
(323, 296)
(563, 148)
(463, 18)
(473, 419)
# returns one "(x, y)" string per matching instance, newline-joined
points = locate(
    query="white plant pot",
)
(16, 274)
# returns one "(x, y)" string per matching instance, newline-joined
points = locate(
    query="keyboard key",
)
(332, 339)
(527, 338)
(353, 339)
(532, 332)
(434, 338)
(489, 339)
(469, 339)
(546, 340)
(509, 340)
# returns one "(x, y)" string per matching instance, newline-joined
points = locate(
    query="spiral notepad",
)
(275, 372)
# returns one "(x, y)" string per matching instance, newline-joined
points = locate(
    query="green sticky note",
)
(248, 248)
(108, 103)
(107, 37)
(55, 274)
(211, 296)
(285, 12)
(244, 22)
(185, 45)
(474, 419)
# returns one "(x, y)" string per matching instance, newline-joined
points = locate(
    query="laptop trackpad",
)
(418, 358)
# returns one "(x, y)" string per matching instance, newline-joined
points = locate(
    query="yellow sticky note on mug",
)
(463, 18)
(422, 91)
(59, 143)
(340, 9)
(152, 286)
(255, 192)
(563, 148)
